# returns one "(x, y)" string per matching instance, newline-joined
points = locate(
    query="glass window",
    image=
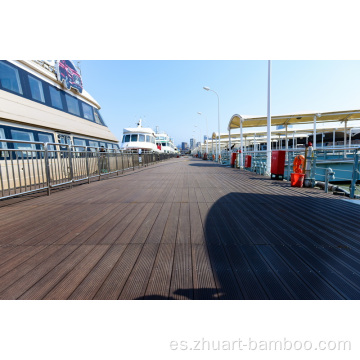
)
(153, 140)
(24, 136)
(141, 137)
(98, 118)
(36, 88)
(88, 112)
(64, 139)
(147, 138)
(134, 137)
(3, 145)
(94, 145)
(164, 144)
(81, 144)
(55, 96)
(9, 78)
(127, 138)
(46, 138)
(73, 105)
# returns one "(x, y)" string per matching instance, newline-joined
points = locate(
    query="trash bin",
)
(278, 164)
(297, 180)
(247, 161)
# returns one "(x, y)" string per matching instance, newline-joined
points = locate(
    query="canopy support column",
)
(229, 141)
(345, 133)
(286, 142)
(350, 137)
(314, 134)
(268, 147)
(241, 144)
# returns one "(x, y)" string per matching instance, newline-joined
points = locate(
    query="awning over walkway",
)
(303, 118)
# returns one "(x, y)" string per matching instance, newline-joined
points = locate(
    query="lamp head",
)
(206, 88)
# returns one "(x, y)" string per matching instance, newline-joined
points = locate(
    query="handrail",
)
(28, 169)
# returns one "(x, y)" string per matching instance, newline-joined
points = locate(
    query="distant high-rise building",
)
(184, 146)
(192, 143)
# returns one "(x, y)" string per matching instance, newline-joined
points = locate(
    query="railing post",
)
(116, 164)
(313, 168)
(122, 162)
(99, 163)
(47, 167)
(70, 166)
(87, 165)
(355, 174)
(133, 162)
(288, 165)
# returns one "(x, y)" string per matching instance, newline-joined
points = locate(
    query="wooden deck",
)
(182, 229)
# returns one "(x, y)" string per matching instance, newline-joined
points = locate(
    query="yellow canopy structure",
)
(303, 118)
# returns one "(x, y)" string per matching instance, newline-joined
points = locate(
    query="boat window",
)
(88, 112)
(46, 138)
(147, 138)
(81, 144)
(141, 137)
(64, 139)
(3, 145)
(153, 140)
(134, 137)
(127, 138)
(164, 144)
(55, 96)
(73, 105)
(23, 136)
(9, 78)
(98, 118)
(94, 145)
(37, 92)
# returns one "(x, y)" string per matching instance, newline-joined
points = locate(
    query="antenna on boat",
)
(78, 67)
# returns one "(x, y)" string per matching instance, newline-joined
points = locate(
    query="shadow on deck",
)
(277, 247)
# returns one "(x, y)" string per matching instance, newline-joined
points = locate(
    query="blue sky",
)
(169, 94)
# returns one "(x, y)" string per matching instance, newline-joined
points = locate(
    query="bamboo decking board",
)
(181, 229)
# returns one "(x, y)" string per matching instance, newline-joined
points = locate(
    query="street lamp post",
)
(207, 134)
(208, 89)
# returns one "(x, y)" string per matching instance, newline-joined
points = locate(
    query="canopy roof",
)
(281, 132)
(304, 118)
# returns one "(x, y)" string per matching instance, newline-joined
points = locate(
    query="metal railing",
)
(324, 165)
(27, 167)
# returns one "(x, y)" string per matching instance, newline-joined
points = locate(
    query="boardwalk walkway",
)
(182, 229)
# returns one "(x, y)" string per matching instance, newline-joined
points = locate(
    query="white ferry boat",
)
(45, 101)
(165, 144)
(139, 138)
